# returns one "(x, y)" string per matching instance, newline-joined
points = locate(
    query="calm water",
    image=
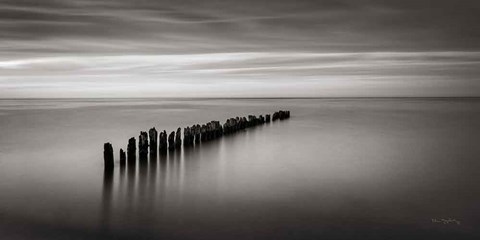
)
(337, 169)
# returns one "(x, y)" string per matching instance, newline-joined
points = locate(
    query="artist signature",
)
(446, 221)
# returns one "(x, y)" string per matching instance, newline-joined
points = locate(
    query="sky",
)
(232, 48)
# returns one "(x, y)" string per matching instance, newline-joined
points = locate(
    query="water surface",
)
(337, 169)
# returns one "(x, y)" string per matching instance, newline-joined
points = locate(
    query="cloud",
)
(224, 26)
(288, 63)
(275, 73)
(252, 45)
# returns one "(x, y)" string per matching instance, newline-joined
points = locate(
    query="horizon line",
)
(239, 98)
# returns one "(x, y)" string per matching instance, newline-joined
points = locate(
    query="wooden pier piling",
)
(108, 155)
(153, 135)
(163, 144)
(191, 136)
(203, 133)
(188, 136)
(143, 145)
(197, 133)
(178, 138)
(131, 151)
(171, 141)
(123, 158)
(275, 116)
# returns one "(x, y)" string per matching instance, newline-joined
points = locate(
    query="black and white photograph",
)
(239, 119)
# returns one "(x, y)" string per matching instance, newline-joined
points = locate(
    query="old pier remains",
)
(194, 135)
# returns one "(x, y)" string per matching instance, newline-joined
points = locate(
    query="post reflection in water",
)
(130, 185)
(122, 179)
(162, 186)
(142, 181)
(107, 197)
(152, 178)
(151, 189)
(340, 169)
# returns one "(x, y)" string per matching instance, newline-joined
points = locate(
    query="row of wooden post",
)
(191, 135)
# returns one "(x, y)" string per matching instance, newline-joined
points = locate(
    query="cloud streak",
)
(290, 63)
(54, 45)
(224, 26)
(381, 73)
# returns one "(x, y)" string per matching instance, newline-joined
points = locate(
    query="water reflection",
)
(130, 184)
(152, 178)
(142, 180)
(162, 185)
(157, 182)
(107, 197)
(338, 170)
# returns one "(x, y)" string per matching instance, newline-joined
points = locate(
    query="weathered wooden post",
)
(213, 130)
(108, 155)
(188, 136)
(163, 146)
(143, 145)
(153, 135)
(186, 132)
(178, 138)
(131, 151)
(281, 115)
(219, 129)
(241, 123)
(232, 125)
(275, 116)
(203, 132)
(225, 127)
(123, 158)
(207, 134)
(261, 119)
(197, 133)
(171, 141)
(192, 135)
(267, 118)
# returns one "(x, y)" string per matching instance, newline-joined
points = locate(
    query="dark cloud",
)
(225, 25)
(399, 42)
